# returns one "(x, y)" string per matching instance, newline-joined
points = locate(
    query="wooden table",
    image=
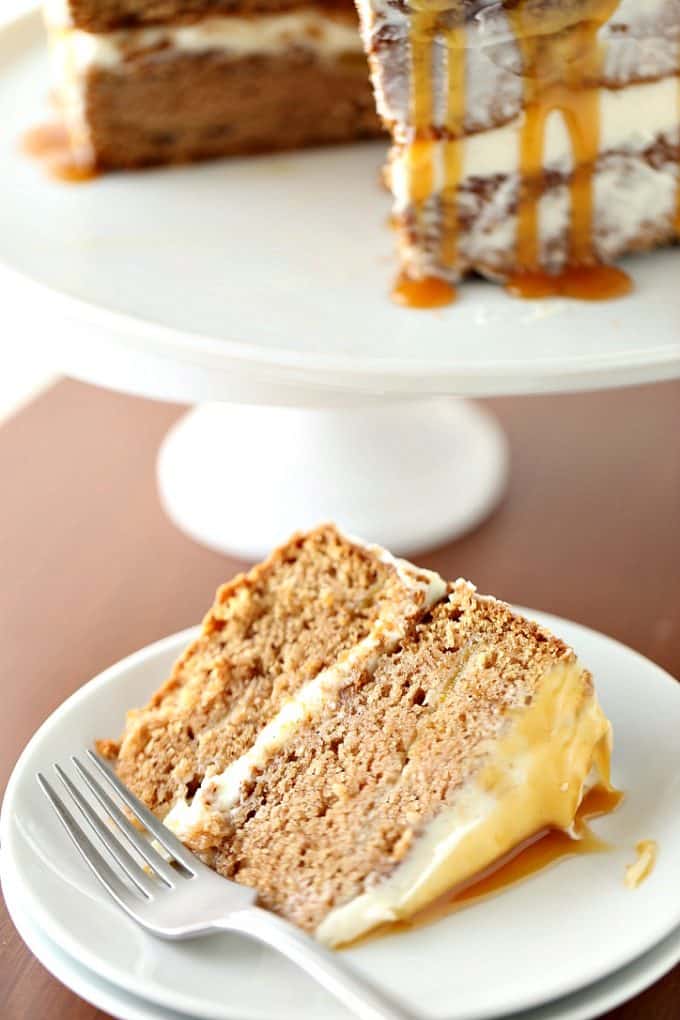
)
(92, 570)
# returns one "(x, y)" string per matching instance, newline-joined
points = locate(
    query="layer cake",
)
(529, 136)
(353, 737)
(166, 82)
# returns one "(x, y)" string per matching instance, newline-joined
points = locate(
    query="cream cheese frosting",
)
(311, 29)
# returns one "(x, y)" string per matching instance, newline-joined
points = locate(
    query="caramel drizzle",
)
(560, 75)
(677, 210)
(453, 147)
(433, 292)
(421, 150)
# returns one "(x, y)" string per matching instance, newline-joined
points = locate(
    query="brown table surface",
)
(92, 570)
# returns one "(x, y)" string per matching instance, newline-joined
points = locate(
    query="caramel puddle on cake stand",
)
(430, 292)
(562, 76)
(50, 144)
(531, 857)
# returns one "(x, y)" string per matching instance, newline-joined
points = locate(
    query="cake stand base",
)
(409, 475)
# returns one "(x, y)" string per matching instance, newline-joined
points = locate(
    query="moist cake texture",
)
(269, 633)
(528, 136)
(353, 737)
(143, 84)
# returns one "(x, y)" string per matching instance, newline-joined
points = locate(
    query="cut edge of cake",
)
(220, 82)
(453, 731)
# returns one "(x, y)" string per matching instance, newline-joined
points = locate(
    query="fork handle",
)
(356, 993)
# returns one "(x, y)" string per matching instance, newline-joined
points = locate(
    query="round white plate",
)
(267, 280)
(556, 933)
(591, 1002)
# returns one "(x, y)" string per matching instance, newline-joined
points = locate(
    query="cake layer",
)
(531, 136)
(375, 790)
(217, 87)
(109, 15)
(641, 42)
(635, 203)
(316, 601)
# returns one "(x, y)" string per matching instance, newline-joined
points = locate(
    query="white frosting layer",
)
(326, 36)
(219, 793)
(632, 119)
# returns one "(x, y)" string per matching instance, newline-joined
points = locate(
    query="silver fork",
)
(182, 898)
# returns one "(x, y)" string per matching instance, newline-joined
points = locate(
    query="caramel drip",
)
(587, 283)
(50, 143)
(561, 74)
(430, 292)
(533, 856)
(453, 147)
(677, 210)
(420, 152)
(643, 865)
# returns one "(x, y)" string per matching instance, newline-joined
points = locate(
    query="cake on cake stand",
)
(258, 290)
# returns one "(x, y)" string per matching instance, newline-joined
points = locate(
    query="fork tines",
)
(144, 877)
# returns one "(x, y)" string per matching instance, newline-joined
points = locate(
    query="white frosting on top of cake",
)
(220, 793)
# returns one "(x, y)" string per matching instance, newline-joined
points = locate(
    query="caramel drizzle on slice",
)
(561, 73)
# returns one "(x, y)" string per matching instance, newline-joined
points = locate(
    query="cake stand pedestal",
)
(258, 290)
(408, 474)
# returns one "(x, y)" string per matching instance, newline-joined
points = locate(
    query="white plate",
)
(268, 278)
(562, 930)
(592, 1002)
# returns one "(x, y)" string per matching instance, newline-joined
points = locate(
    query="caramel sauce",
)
(430, 292)
(562, 65)
(562, 77)
(45, 140)
(587, 283)
(453, 147)
(677, 212)
(50, 144)
(643, 865)
(530, 858)
(420, 152)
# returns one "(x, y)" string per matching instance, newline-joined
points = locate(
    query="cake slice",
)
(167, 82)
(319, 602)
(533, 140)
(353, 738)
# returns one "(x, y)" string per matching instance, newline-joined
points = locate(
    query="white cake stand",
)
(258, 290)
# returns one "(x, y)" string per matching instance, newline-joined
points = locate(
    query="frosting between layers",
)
(325, 35)
(632, 120)
(631, 196)
(74, 52)
(219, 793)
(534, 780)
